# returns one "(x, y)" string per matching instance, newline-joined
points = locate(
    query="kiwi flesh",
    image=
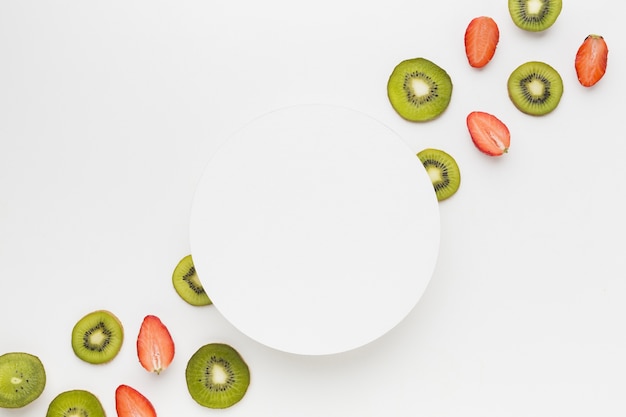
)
(443, 171)
(535, 88)
(97, 337)
(75, 403)
(217, 376)
(22, 379)
(419, 90)
(187, 284)
(534, 15)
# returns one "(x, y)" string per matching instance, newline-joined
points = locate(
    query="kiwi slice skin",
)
(534, 15)
(443, 171)
(535, 88)
(97, 337)
(22, 379)
(419, 90)
(75, 403)
(188, 285)
(217, 376)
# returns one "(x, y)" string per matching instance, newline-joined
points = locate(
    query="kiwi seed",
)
(22, 379)
(419, 90)
(217, 376)
(97, 337)
(443, 172)
(535, 88)
(79, 403)
(188, 285)
(535, 15)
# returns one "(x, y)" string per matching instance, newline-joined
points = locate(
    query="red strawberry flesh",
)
(481, 39)
(155, 346)
(131, 403)
(591, 60)
(489, 134)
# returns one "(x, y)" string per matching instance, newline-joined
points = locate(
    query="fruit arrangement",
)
(216, 374)
(419, 90)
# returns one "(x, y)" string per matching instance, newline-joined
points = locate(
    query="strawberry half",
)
(155, 346)
(488, 133)
(131, 403)
(481, 38)
(591, 60)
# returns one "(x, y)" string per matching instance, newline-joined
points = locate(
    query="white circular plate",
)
(314, 229)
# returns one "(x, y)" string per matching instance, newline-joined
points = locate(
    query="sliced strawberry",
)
(591, 60)
(481, 38)
(155, 346)
(131, 403)
(488, 133)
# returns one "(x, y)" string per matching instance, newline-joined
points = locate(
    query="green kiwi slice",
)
(419, 90)
(535, 88)
(188, 285)
(75, 403)
(22, 379)
(534, 15)
(217, 376)
(443, 172)
(97, 337)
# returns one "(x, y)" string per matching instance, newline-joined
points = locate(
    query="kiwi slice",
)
(97, 337)
(217, 376)
(419, 90)
(75, 403)
(535, 88)
(22, 379)
(443, 172)
(188, 285)
(534, 15)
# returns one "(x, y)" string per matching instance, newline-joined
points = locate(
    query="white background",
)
(110, 110)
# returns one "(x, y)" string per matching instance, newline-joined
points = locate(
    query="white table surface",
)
(109, 112)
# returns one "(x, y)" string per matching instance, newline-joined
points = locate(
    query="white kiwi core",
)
(219, 375)
(536, 88)
(434, 174)
(97, 338)
(534, 7)
(420, 87)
